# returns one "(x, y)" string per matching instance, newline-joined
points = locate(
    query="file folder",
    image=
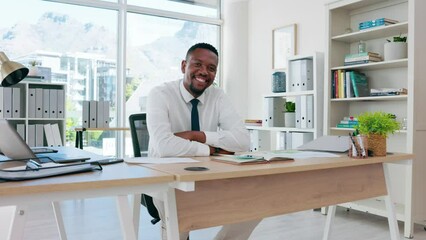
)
(61, 103)
(49, 135)
(16, 102)
(53, 103)
(92, 114)
(273, 112)
(7, 102)
(31, 135)
(86, 111)
(298, 112)
(310, 111)
(303, 112)
(31, 103)
(46, 103)
(39, 134)
(106, 114)
(100, 114)
(39, 102)
(56, 135)
(1, 102)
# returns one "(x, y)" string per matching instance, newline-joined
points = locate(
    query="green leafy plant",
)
(34, 63)
(290, 107)
(398, 39)
(379, 123)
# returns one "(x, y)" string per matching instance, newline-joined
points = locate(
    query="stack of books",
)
(361, 58)
(253, 122)
(348, 122)
(388, 91)
(376, 23)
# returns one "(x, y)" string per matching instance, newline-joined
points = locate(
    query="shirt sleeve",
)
(163, 142)
(232, 134)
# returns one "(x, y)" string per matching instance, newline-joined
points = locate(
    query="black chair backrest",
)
(140, 135)
(140, 140)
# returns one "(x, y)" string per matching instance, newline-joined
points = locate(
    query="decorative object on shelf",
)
(362, 47)
(376, 23)
(278, 82)
(377, 126)
(284, 45)
(396, 49)
(11, 72)
(33, 67)
(290, 114)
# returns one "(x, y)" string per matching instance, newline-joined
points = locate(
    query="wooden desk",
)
(116, 180)
(229, 193)
(79, 133)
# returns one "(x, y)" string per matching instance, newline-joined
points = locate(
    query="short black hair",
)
(203, 46)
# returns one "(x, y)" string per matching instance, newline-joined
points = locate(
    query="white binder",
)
(303, 112)
(100, 114)
(85, 117)
(56, 134)
(31, 103)
(259, 140)
(310, 111)
(106, 114)
(61, 103)
(20, 128)
(1, 102)
(294, 76)
(306, 73)
(31, 135)
(298, 112)
(39, 134)
(39, 102)
(288, 141)
(46, 99)
(273, 115)
(281, 141)
(92, 114)
(16, 103)
(49, 135)
(53, 103)
(7, 102)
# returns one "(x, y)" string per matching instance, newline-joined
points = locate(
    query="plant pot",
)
(395, 50)
(290, 119)
(377, 145)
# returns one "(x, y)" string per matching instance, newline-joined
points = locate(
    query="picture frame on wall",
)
(283, 45)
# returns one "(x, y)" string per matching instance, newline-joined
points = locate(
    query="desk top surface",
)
(217, 170)
(114, 175)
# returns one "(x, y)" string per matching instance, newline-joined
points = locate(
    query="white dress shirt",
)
(169, 111)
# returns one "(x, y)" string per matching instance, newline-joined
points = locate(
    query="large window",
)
(81, 45)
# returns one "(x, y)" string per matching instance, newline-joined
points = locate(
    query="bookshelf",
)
(409, 196)
(270, 134)
(25, 103)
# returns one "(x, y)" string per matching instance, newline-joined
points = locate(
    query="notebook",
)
(15, 148)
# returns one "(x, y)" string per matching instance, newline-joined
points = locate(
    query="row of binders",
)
(260, 140)
(42, 103)
(41, 134)
(274, 108)
(301, 75)
(95, 114)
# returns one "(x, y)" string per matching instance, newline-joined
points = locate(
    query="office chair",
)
(140, 139)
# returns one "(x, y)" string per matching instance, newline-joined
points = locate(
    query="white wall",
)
(248, 88)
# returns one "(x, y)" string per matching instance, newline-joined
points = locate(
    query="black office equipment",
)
(140, 139)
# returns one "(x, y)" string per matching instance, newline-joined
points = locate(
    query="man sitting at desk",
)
(189, 118)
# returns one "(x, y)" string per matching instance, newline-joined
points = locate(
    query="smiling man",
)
(190, 117)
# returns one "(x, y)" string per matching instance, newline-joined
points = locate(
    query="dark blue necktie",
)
(195, 122)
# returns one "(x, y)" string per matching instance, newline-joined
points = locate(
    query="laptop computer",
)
(15, 148)
(330, 143)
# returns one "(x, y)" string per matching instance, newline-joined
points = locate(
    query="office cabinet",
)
(343, 37)
(304, 87)
(32, 105)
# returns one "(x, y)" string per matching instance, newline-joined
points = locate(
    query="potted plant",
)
(290, 114)
(33, 68)
(395, 48)
(377, 126)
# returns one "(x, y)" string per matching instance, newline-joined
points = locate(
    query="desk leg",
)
(330, 217)
(18, 223)
(390, 208)
(171, 215)
(125, 216)
(136, 202)
(77, 138)
(59, 220)
(408, 209)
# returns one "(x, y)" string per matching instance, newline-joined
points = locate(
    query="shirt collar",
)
(187, 97)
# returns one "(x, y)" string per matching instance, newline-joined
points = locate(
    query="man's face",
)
(199, 71)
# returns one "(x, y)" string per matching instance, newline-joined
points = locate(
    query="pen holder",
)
(358, 147)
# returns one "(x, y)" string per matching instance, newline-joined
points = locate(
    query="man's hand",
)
(214, 150)
(197, 136)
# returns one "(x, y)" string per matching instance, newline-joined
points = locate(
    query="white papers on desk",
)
(301, 154)
(159, 160)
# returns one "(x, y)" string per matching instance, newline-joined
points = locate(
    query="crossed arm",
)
(200, 137)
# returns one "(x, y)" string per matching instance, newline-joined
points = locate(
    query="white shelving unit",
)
(409, 194)
(24, 118)
(318, 98)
